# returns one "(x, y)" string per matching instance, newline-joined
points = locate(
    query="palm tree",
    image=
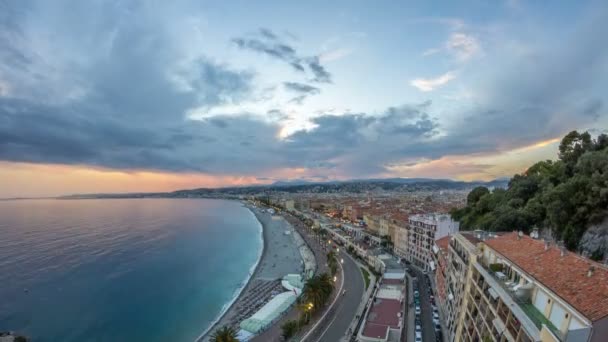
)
(317, 290)
(289, 329)
(332, 262)
(224, 334)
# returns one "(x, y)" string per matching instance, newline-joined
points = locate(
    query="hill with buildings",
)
(565, 198)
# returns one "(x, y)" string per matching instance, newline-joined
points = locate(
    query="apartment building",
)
(440, 258)
(423, 230)
(513, 287)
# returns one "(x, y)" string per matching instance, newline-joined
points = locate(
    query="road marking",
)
(328, 309)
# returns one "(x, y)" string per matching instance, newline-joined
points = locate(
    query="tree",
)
(290, 328)
(476, 194)
(573, 145)
(332, 262)
(224, 334)
(317, 290)
(566, 196)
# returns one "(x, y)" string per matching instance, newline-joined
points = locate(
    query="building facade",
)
(423, 230)
(512, 287)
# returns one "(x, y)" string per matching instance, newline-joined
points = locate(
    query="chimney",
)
(562, 248)
(534, 234)
(590, 271)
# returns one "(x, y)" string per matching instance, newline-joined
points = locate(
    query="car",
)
(437, 327)
(418, 328)
(435, 315)
(418, 336)
(418, 320)
(417, 310)
(416, 294)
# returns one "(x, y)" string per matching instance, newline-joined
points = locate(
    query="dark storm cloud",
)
(268, 43)
(125, 105)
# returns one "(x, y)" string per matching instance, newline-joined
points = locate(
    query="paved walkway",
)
(274, 332)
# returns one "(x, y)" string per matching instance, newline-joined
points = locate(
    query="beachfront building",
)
(423, 231)
(271, 311)
(517, 288)
(384, 316)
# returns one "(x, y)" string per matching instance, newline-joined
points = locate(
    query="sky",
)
(124, 96)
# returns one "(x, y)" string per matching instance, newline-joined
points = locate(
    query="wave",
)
(238, 291)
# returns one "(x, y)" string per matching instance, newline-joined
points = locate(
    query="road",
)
(428, 328)
(338, 321)
(335, 325)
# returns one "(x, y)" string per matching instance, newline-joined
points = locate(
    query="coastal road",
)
(335, 325)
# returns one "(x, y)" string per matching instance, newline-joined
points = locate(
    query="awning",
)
(493, 293)
(500, 327)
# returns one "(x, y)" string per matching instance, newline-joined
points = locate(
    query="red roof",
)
(385, 312)
(375, 330)
(565, 275)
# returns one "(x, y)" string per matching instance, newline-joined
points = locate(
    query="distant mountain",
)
(304, 186)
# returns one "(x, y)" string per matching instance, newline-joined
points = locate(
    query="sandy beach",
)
(280, 256)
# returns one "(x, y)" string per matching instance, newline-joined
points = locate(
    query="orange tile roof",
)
(565, 275)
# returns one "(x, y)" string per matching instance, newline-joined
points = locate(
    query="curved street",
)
(336, 323)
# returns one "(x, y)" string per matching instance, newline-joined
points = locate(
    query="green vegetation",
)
(290, 328)
(495, 267)
(315, 295)
(565, 196)
(332, 262)
(538, 318)
(365, 277)
(224, 334)
(317, 290)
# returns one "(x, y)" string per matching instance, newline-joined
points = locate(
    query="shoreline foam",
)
(238, 292)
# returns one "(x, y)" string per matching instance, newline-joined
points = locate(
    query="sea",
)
(122, 269)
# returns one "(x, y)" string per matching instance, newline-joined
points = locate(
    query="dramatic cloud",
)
(112, 86)
(268, 43)
(430, 84)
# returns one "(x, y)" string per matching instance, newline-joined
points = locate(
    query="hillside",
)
(563, 197)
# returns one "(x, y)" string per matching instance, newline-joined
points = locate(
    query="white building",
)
(422, 231)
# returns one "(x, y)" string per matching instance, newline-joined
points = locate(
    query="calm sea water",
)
(122, 270)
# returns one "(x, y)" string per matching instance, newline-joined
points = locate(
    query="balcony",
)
(500, 290)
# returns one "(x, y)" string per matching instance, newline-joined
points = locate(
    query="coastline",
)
(239, 292)
(279, 256)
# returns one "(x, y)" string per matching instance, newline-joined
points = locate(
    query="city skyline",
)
(142, 96)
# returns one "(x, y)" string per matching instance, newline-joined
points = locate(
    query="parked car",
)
(418, 336)
(417, 310)
(435, 315)
(418, 328)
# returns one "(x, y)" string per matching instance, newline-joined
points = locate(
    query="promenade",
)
(274, 332)
(280, 256)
